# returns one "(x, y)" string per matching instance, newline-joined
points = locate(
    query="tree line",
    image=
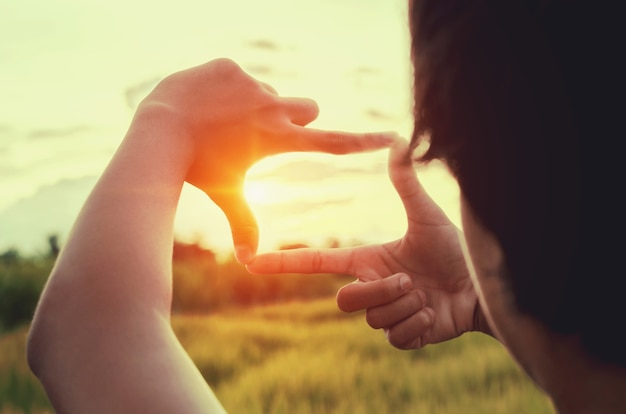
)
(201, 282)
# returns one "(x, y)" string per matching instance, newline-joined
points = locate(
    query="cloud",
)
(260, 69)
(51, 210)
(264, 44)
(365, 76)
(366, 70)
(302, 206)
(31, 158)
(23, 152)
(378, 115)
(46, 133)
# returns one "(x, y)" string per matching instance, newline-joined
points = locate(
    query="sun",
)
(263, 188)
(256, 192)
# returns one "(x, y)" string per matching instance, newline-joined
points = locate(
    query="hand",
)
(233, 121)
(417, 288)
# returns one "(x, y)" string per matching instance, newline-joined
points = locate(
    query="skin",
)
(101, 340)
(558, 364)
(454, 287)
(417, 289)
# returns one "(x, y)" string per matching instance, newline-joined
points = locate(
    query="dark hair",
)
(514, 97)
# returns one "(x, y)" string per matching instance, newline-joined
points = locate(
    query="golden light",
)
(256, 192)
(261, 187)
(264, 192)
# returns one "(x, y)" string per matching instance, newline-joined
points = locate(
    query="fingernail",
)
(405, 283)
(243, 254)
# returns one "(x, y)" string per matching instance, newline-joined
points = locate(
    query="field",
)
(308, 357)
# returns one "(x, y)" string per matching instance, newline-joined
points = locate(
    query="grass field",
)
(308, 357)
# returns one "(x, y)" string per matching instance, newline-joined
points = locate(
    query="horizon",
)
(74, 72)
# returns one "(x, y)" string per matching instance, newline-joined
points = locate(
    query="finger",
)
(412, 333)
(362, 295)
(301, 111)
(402, 173)
(242, 222)
(336, 142)
(396, 311)
(268, 88)
(304, 261)
(417, 203)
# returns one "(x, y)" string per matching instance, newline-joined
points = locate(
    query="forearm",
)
(101, 332)
(120, 246)
(101, 338)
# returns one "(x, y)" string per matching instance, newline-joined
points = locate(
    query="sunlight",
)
(263, 192)
(259, 192)
(263, 186)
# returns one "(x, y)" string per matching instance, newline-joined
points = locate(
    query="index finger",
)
(335, 142)
(306, 260)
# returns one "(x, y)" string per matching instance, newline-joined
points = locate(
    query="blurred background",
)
(71, 75)
(73, 72)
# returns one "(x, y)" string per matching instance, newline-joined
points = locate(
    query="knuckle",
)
(390, 289)
(336, 144)
(352, 262)
(226, 65)
(427, 317)
(374, 319)
(317, 261)
(415, 300)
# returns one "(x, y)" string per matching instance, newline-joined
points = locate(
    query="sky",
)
(73, 71)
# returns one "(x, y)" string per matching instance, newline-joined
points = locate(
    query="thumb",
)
(301, 111)
(404, 179)
(419, 206)
(243, 225)
(401, 171)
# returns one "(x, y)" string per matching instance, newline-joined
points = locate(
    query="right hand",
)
(417, 289)
(231, 121)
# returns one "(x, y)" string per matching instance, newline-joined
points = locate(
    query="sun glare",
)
(265, 192)
(256, 192)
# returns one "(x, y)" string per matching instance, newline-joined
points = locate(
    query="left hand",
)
(232, 121)
(416, 288)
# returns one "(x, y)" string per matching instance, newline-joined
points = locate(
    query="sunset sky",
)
(72, 72)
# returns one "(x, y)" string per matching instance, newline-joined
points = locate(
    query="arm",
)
(101, 340)
(417, 289)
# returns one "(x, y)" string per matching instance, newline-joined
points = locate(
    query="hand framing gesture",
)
(416, 288)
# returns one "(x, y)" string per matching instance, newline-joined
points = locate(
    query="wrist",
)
(162, 136)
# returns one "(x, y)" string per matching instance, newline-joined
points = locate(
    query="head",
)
(503, 97)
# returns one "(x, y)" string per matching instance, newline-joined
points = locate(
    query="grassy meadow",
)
(278, 344)
(309, 357)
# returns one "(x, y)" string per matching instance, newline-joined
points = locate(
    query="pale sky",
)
(71, 72)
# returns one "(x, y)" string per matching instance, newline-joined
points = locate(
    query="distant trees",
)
(53, 245)
(21, 282)
(201, 282)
